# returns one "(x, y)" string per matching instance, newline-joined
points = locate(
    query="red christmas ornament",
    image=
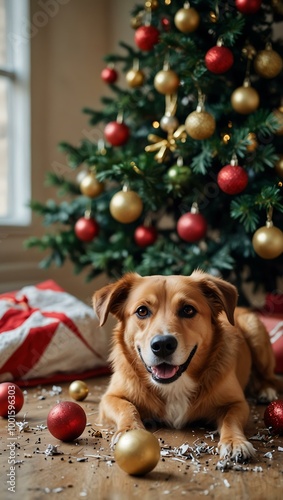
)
(248, 6)
(109, 75)
(86, 228)
(116, 133)
(66, 421)
(219, 59)
(146, 37)
(273, 417)
(145, 235)
(166, 24)
(191, 227)
(11, 399)
(232, 179)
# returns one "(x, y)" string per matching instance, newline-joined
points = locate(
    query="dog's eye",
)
(188, 311)
(142, 312)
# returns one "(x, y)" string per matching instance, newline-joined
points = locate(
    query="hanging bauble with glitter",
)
(109, 75)
(232, 179)
(192, 226)
(166, 81)
(146, 37)
(248, 6)
(187, 19)
(90, 186)
(116, 133)
(126, 206)
(145, 235)
(219, 59)
(268, 63)
(245, 99)
(200, 124)
(86, 228)
(268, 240)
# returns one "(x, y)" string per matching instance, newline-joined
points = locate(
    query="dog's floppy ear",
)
(110, 298)
(221, 295)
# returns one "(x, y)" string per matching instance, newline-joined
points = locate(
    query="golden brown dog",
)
(177, 356)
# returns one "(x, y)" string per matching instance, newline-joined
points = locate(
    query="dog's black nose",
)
(163, 345)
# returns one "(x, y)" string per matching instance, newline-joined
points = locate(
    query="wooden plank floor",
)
(86, 468)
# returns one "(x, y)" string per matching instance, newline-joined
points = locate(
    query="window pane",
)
(3, 148)
(2, 33)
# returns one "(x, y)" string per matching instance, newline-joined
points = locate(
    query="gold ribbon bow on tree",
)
(160, 144)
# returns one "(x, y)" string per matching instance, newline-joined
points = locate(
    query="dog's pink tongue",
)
(164, 370)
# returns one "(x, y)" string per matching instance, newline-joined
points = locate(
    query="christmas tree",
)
(189, 173)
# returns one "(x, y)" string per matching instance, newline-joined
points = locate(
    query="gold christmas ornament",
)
(135, 78)
(268, 240)
(279, 166)
(151, 4)
(200, 125)
(187, 19)
(278, 113)
(78, 390)
(245, 99)
(268, 63)
(137, 452)
(126, 206)
(166, 81)
(90, 186)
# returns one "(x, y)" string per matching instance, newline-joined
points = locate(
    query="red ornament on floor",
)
(219, 59)
(146, 37)
(145, 235)
(109, 75)
(86, 228)
(232, 179)
(116, 133)
(248, 6)
(191, 227)
(273, 417)
(11, 399)
(66, 421)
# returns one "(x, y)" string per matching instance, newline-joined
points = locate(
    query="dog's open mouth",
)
(165, 373)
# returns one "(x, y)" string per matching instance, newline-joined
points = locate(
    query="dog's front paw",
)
(236, 450)
(119, 433)
(267, 395)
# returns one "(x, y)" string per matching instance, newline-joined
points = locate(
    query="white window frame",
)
(19, 115)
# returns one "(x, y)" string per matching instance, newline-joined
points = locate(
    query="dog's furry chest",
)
(177, 402)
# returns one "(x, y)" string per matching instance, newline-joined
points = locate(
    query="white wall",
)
(66, 60)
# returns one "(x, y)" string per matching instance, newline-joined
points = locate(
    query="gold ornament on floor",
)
(279, 166)
(268, 240)
(90, 186)
(135, 77)
(137, 452)
(126, 206)
(245, 99)
(78, 390)
(268, 63)
(187, 19)
(166, 81)
(278, 113)
(200, 124)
